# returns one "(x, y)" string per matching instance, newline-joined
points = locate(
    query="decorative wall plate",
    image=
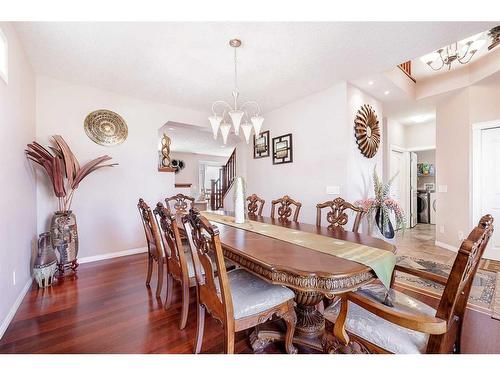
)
(105, 128)
(367, 131)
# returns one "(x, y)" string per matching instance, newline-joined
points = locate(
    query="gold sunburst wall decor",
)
(105, 127)
(367, 131)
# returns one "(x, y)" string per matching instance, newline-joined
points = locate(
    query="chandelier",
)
(224, 115)
(461, 52)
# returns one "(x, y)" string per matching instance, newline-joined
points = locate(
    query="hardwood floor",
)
(108, 309)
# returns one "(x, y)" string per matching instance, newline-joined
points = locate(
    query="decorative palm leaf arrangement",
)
(382, 205)
(62, 168)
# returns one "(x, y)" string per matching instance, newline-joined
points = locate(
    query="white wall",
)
(324, 151)
(420, 136)
(17, 191)
(105, 203)
(454, 118)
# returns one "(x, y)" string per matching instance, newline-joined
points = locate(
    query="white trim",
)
(421, 148)
(117, 254)
(5, 75)
(446, 246)
(12, 312)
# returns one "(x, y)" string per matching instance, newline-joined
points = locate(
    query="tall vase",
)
(45, 265)
(387, 230)
(239, 200)
(64, 237)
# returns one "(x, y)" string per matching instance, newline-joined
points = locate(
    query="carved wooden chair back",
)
(181, 203)
(337, 216)
(285, 208)
(170, 235)
(456, 292)
(151, 231)
(214, 293)
(255, 205)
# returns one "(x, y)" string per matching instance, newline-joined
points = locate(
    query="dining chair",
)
(337, 216)
(181, 203)
(408, 325)
(179, 262)
(153, 240)
(238, 299)
(285, 209)
(255, 205)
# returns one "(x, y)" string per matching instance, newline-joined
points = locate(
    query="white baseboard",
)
(15, 306)
(117, 254)
(446, 246)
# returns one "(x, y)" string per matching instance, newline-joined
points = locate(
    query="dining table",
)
(311, 274)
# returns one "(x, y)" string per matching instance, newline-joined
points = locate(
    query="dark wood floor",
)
(108, 309)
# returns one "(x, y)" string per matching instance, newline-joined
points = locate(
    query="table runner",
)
(382, 262)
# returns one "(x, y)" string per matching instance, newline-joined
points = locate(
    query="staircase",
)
(222, 185)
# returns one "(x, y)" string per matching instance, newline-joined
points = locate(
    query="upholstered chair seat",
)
(384, 334)
(251, 295)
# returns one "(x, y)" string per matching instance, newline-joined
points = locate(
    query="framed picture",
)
(261, 145)
(282, 149)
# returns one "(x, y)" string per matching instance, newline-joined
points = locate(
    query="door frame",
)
(407, 185)
(475, 165)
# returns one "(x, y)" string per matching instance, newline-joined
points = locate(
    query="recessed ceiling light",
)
(171, 128)
(422, 118)
(370, 83)
(387, 92)
(222, 146)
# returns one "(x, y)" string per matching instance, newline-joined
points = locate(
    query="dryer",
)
(423, 206)
(432, 207)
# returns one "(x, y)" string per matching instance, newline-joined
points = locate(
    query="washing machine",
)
(423, 207)
(432, 207)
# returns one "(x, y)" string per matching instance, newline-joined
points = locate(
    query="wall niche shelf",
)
(180, 185)
(166, 169)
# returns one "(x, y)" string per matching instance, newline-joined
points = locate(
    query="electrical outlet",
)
(442, 188)
(441, 229)
(14, 277)
(460, 235)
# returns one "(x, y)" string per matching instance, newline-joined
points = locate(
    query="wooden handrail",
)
(406, 68)
(221, 186)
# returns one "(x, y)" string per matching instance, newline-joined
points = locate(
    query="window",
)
(4, 57)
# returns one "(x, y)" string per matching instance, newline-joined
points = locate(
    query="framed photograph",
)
(282, 149)
(261, 145)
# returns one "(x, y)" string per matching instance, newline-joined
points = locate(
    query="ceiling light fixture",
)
(494, 34)
(461, 51)
(370, 83)
(387, 92)
(224, 115)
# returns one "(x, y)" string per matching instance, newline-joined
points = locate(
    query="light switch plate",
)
(333, 190)
(443, 188)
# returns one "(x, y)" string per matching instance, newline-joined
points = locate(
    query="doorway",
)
(486, 179)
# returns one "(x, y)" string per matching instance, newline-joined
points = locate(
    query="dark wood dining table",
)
(311, 274)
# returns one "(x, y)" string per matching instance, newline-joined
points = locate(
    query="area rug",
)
(485, 292)
(490, 265)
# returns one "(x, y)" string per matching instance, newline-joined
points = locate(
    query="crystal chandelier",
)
(461, 51)
(246, 116)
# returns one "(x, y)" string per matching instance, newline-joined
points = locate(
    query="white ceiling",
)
(198, 140)
(190, 64)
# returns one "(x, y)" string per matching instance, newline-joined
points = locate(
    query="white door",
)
(489, 189)
(399, 188)
(413, 189)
